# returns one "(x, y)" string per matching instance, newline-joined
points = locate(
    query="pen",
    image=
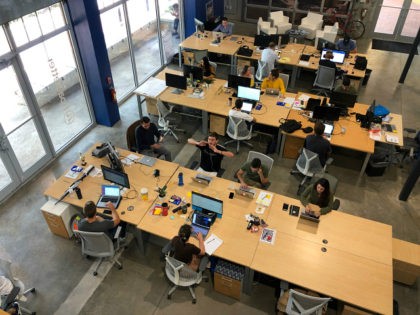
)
(211, 240)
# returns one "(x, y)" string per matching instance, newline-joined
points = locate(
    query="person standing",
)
(174, 10)
(269, 56)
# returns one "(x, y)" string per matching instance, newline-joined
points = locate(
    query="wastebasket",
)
(367, 76)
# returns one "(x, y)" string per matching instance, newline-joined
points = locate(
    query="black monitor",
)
(326, 113)
(235, 80)
(324, 44)
(114, 158)
(179, 82)
(196, 72)
(116, 177)
(343, 100)
(264, 40)
(206, 204)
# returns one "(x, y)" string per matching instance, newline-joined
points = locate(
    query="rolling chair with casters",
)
(262, 71)
(308, 164)
(18, 286)
(411, 147)
(237, 129)
(131, 136)
(302, 304)
(181, 275)
(324, 81)
(98, 244)
(163, 122)
(285, 78)
(265, 160)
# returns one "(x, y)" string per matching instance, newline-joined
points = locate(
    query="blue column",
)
(84, 16)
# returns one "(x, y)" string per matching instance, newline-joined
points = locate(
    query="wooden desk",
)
(336, 273)
(139, 175)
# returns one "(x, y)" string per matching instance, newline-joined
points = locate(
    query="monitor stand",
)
(177, 91)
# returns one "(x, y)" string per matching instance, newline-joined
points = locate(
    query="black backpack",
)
(361, 63)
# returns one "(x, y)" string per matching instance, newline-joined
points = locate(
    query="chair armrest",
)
(329, 161)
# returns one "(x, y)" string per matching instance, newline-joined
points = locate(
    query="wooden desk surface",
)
(239, 244)
(227, 46)
(339, 274)
(361, 237)
(139, 175)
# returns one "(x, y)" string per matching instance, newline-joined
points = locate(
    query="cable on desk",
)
(131, 194)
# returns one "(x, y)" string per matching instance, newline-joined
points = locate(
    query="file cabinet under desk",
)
(58, 217)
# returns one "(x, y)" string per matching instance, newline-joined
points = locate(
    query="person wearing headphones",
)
(96, 222)
(186, 252)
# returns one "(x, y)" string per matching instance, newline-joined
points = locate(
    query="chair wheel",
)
(169, 296)
(194, 301)
(33, 290)
(120, 267)
(95, 273)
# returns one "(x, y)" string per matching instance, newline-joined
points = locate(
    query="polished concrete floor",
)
(61, 275)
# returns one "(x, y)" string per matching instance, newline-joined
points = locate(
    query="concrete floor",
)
(61, 275)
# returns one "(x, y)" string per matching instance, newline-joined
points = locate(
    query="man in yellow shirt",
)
(273, 82)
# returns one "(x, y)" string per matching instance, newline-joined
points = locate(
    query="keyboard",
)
(112, 199)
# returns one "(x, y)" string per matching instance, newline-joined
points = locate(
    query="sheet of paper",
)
(303, 63)
(304, 97)
(289, 101)
(391, 139)
(212, 243)
(268, 236)
(71, 174)
(130, 159)
(152, 87)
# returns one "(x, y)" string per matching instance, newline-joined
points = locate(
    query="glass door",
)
(170, 27)
(397, 20)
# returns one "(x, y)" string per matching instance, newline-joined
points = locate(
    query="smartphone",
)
(285, 206)
(231, 194)
(258, 107)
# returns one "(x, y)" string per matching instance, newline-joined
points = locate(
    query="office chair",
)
(411, 146)
(285, 78)
(5, 270)
(131, 136)
(163, 122)
(333, 187)
(308, 164)
(265, 160)
(98, 244)
(302, 304)
(237, 129)
(180, 274)
(324, 81)
(262, 71)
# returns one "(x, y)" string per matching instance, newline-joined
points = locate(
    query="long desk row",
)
(343, 256)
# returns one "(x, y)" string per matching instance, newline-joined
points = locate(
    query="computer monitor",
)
(196, 72)
(343, 100)
(116, 177)
(326, 113)
(199, 26)
(264, 40)
(324, 44)
(283, 40)
(235, 80)
(179, 82)
(114, 158)
(206, 204)
(249, 93)
(339, 55)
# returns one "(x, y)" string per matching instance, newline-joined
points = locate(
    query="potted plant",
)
(162, 192)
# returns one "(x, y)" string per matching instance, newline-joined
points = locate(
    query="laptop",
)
(312, 103)
(309, 217)
(246, 192)
(109, 193)
(271, 91)
(328, 130)
(148, 160)
(246, 107)
(200, 223)
(202, 179)
(305, 57)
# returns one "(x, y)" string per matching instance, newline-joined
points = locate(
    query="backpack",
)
(361, 63)
(245, 51)
(290, 125)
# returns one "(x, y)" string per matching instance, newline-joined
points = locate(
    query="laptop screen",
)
(339, 55)
(328, 129)
(249, 93)
(205, 203)
(201, 220)
(246, 107)
(108, 190)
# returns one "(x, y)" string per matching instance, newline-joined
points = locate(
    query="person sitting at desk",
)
(346, 44)
(346, 87)
(269, 56)
(317, 195)
(95, 222)
(186, 252)
(146, 135)
(225, 27)
(253, 174)
(318, 144)
(236, 112)
(208, 70)
(327, 62)
(212, 154)
(274, 82)
(246, 72)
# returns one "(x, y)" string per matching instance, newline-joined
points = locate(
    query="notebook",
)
(200, 223)
(246, 107)
(328, 131)
(109, 193)
(148, 160)
(271, 91)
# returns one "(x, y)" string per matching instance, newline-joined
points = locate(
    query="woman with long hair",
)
(317, 195)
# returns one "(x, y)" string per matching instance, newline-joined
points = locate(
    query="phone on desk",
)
(285, 206)
(258, 107)
(107, 211)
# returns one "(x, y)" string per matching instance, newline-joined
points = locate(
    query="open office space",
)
(61, 275)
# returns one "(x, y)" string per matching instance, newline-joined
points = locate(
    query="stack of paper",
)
(289, 101)
(212, 243)
(264, 198)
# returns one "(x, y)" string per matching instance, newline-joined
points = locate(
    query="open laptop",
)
(246, 107)
(328, 130)
(200, 223)
(202, 179)
(109, 193)
(271, 91)
(246, 192)
(148, 160)
(309, 217)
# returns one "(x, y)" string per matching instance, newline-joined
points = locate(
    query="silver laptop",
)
(309, 217)
(328, 131)
(246, 192)
(109, 193)
(246, 107)
(147, 160)
(270, 91)
(200, 223)
(202, 179)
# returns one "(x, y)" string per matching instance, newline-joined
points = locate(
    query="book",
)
(264, 198)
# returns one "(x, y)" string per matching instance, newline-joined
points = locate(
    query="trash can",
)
(367, 76)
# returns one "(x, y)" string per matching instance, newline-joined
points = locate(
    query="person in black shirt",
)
(318, 144)
(146, 135)
(327, 62)
(212, 153)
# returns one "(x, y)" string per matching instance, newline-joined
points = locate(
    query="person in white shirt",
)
(236, 112)
(269, 56)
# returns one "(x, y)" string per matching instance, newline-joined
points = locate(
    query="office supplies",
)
(76, 183)
(200, 223)
(148, 160)
(109, 193)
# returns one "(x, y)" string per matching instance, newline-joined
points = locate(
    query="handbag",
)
(290, 125)
(245, 51)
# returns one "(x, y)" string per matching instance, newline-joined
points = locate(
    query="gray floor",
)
(57, 269)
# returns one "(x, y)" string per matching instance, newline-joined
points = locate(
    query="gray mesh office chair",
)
(98, 244)
(164, 123)
(238, 130)
(285, 78)
(302, 304)
(265, 160)
(6, 271)
(262, 71)
(324, 81)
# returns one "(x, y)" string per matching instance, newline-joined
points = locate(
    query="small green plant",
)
(162, 191)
